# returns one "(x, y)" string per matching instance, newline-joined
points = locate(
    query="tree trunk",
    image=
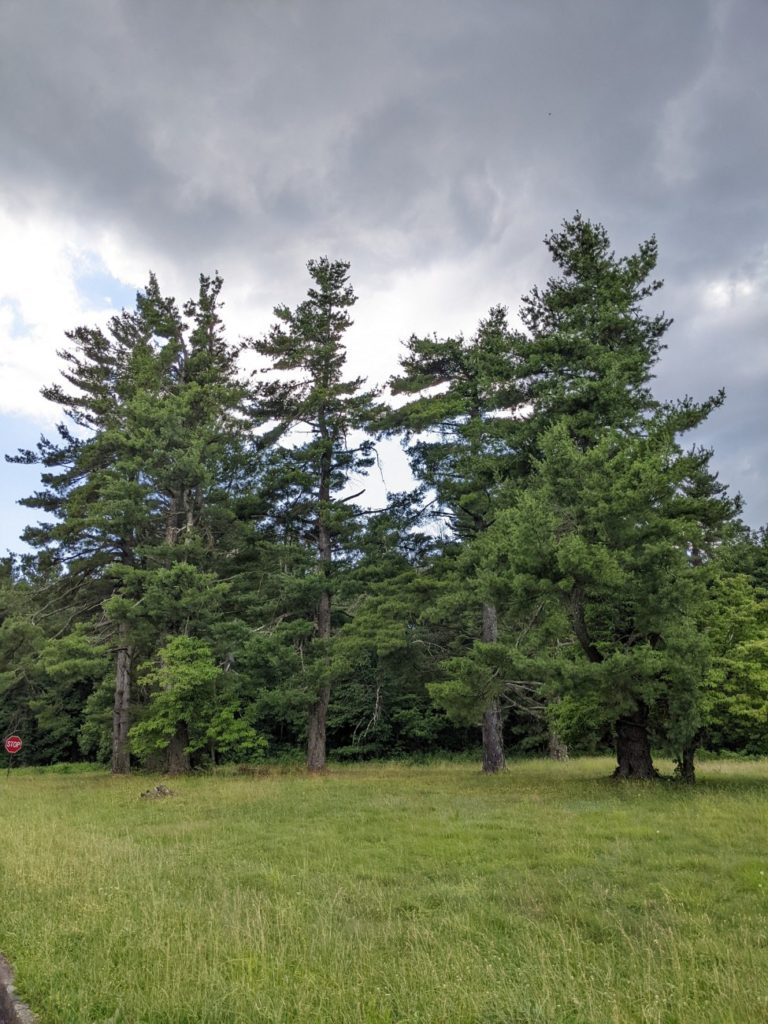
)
(316, 731)
(178, 758)
(318, 712)
(493, 739)
(633, 747)
(493, 742)
(685, 768)
(556, 749)
(121, 758)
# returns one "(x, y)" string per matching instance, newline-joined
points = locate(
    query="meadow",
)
(388, 893)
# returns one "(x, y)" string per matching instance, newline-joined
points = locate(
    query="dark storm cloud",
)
(250, 136)
(362, 111)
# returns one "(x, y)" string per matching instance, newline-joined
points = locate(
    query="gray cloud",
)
(404, 136)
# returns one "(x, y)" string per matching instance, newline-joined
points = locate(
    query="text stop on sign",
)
(13, 744)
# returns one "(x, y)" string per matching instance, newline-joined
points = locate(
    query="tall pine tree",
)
(622, 566)
(305, 488)
(146, 457)
(93, 488)
(461, 431)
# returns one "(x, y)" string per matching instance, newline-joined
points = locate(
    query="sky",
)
(432, 143)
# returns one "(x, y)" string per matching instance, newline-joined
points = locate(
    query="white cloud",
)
(40, 263)
(432, 144)
(726, 293)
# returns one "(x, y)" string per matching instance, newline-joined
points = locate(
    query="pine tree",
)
(93, 488)
(146, 463)
(622, 566)
(305, 486)
(382, 657)
(590, 349)
(189, 426)
(462, 443)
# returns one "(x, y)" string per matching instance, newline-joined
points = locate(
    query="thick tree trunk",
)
(685, 768)
(316, 749)
(323, 620)
(121, 758)
(178, 758)
(316, 731)
(493, 740)
(556, 749)
(633, 747)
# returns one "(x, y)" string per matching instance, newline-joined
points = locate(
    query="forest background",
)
(567, 574)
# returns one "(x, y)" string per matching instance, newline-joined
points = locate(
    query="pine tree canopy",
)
(209, 581)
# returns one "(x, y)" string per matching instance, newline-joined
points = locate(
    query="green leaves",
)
(734, 699)
(186, 685)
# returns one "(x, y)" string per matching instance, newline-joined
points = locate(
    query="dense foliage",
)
(206, 587)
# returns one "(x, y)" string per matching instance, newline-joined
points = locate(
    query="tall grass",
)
(386, 894)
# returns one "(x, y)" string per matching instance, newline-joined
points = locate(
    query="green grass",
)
(386, 893)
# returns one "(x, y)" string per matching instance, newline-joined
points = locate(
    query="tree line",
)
(206, 587)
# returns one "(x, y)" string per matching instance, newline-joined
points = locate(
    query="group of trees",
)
(206, 586)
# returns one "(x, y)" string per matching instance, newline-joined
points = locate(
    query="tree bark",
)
(178, 758)
(316, 746)
(493, 739)
(493, 742)
(556, 749)
(121, 758)
(685, 768)
(316, 731)
(633, 747)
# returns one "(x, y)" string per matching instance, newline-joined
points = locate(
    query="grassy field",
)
(388, 893)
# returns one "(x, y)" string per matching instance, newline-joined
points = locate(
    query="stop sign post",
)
(12, 746)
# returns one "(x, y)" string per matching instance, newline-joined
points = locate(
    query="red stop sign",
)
(13, 744)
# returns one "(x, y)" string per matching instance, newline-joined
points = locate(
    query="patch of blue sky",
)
(17, 481)
(100, 290)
